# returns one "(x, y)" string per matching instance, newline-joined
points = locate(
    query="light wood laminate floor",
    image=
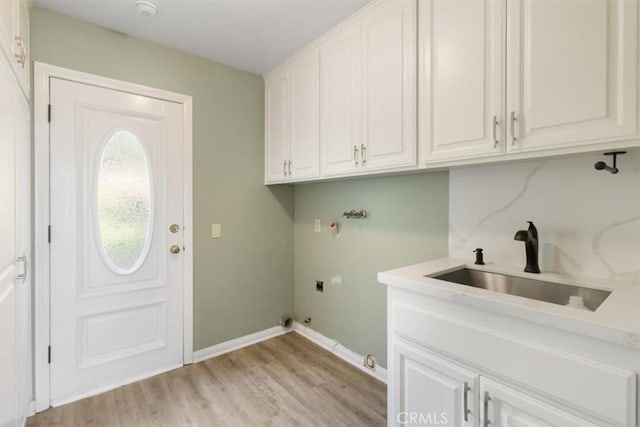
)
(285, 381)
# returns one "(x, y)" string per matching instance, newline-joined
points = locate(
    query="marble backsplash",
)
(588, 221)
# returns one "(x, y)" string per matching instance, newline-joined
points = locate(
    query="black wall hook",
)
(603, 165)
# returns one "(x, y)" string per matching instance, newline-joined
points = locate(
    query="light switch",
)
(216, 231)
(317, 226)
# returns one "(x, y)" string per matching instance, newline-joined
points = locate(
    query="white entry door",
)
(117, 213)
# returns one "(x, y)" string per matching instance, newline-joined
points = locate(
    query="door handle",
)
(363, 153)
(487, 398)
(355, 154)
(514, 138)
(284, 167)
(175, 249)
(495, 132)
(22, 274)
(290, 167)
(465, 405)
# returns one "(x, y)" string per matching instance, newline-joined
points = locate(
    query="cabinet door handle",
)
(363, 153)
(514, 138)
(22, 276)
(284, 167)
(495, 132)
(465, 405)
(20, 57)
(487, 398)
(355, 154)
(290, 167)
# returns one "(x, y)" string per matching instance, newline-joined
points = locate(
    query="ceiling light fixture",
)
(146, 8)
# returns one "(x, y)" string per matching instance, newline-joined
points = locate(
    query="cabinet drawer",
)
(591, 386)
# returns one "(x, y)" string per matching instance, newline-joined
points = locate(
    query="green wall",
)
(408, 223)
(243, 282)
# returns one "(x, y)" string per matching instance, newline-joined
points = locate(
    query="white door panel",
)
(503, 406)
(23, 250)
(341, 101)
(431, 390)
(304, 140)
(8, 312)
(389, 85)
(277, 127)
(461, 78)
(573, 69)
(116, 187)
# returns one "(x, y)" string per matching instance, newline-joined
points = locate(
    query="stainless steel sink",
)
(556, 293)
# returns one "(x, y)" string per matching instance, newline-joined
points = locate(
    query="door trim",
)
(41, 90)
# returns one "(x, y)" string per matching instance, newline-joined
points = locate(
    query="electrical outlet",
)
(317, 227)
(306, 320)
(319, 286)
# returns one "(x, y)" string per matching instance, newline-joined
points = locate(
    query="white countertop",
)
(617, 320)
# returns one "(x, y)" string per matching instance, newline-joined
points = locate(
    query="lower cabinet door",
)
(427, 390)
(501, 406)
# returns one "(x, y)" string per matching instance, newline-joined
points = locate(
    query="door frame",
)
(43, 73)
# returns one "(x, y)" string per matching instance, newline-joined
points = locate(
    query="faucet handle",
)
(479, 257)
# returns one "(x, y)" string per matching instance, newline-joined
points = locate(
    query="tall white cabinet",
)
(16, 392)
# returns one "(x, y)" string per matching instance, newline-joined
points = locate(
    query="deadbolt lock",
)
(175, 249)
(174, 228)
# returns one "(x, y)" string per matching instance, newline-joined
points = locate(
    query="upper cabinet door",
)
(6, 26)
(21, 50)
(277, 127)
(341, 100)
(461, 78)
(572, 72)
(389, 85)
(304, 136)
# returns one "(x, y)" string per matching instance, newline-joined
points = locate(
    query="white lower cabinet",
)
(503, 406)
(430, 390)
(454, 365)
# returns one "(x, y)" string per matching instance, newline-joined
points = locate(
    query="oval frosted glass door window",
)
(124, 203)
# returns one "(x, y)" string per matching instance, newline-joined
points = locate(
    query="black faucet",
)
(530, 239)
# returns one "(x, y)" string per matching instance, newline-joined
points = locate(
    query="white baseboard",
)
(238, 343)
(341, 351)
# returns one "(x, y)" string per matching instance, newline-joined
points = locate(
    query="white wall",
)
(588, 221)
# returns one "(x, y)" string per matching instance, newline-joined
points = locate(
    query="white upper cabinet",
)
(304, 132)
(21, 47)
(341, 101)
(570, 72)
(14, 39)
(276, 127)
(461, 78)
(389, 85)
(292, 121)
(350, 96)
(573, 72)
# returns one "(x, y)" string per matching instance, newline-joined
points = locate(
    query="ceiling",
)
(252, 35)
